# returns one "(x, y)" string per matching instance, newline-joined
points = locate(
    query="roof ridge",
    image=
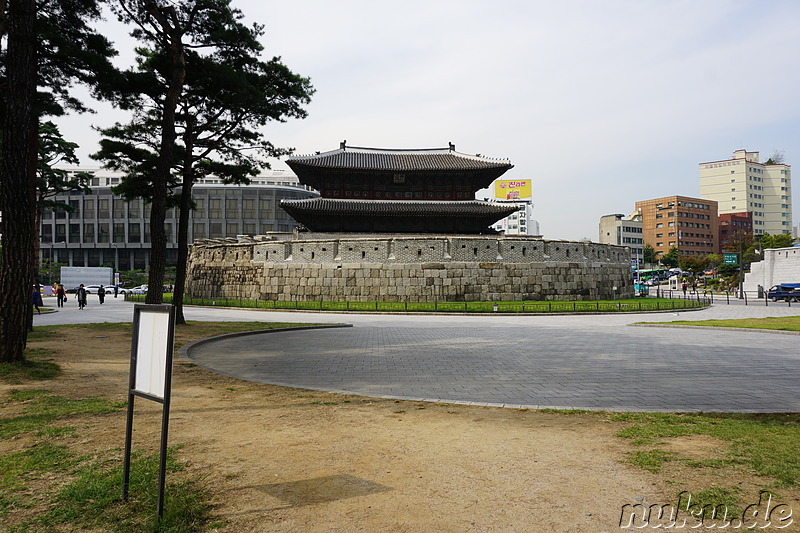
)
(398, 151)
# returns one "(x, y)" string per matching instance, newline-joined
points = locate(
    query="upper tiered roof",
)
(394, 160)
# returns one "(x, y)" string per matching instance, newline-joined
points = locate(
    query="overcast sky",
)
(599, 103)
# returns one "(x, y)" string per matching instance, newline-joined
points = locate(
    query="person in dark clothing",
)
(36, 298)
(62, 295)
(81, 295)
(116, 290)
(101, 294)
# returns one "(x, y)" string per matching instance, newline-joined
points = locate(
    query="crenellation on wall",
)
(416, 268)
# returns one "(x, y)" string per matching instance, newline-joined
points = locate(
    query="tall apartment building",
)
(104, 229)
(689, 224)
(624, 231)
(742, 184)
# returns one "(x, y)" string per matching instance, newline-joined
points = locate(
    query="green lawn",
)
(786, 323)
(592, 306)
(48, 469)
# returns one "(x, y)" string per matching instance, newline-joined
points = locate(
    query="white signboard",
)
(152, 347)
(150, 377)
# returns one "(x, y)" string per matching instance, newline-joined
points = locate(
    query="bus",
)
(654, 274)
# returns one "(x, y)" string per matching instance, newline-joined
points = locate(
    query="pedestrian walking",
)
(683, 288)
(81, 295)
(116, 290)
(36, 298)
(62, 295)
(101, 294)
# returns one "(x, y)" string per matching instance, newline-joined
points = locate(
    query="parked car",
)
(789, 292)
(141, 289)
(90, 289)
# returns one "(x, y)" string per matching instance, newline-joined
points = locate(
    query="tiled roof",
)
(424, 208)
(355, 158)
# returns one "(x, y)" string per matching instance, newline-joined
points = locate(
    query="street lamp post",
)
(50, 266)
(741, 268)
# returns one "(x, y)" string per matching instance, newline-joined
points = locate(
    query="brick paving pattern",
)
(623, 368)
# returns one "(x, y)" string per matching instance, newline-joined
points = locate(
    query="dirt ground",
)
(279, 459)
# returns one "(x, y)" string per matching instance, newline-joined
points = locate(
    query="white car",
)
(92, 289)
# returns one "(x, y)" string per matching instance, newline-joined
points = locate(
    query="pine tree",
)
(228, 94)
(45, 47)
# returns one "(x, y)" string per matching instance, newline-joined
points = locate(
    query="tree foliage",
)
(50, 180)
(714, 260)
(694, 264)
(228, 95)
(165, 26)
(783, 240)
(649, 254)
(777, 158)
(670, 259)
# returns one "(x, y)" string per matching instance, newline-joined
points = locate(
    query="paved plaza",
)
(587, 362)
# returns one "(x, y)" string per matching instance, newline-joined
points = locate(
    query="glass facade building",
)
(102, 229)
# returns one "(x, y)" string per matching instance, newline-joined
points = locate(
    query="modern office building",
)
(743, 184)
(104, 229)
(623, 231)
(689, 224)
(520, 222)
(734, 228)
(514, 192)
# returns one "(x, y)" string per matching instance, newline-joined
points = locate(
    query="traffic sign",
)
(730, 259)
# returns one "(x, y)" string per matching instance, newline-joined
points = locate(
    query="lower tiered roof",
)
(407, 216)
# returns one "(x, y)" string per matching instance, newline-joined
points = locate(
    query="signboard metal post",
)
(735, 259)
(150, 378)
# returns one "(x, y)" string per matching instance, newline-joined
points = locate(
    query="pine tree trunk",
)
(183, 222)
(183, 249)
(158, 246)
(17, 180)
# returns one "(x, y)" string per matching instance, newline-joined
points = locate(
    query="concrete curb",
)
(184, 351)
(443, 313)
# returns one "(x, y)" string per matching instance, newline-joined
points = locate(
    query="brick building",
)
(733, 227)
(689, 224)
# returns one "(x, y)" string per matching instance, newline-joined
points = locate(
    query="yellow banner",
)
(512, 189)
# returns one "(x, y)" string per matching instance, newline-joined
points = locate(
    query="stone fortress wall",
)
(780, 265)
(413, 268)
